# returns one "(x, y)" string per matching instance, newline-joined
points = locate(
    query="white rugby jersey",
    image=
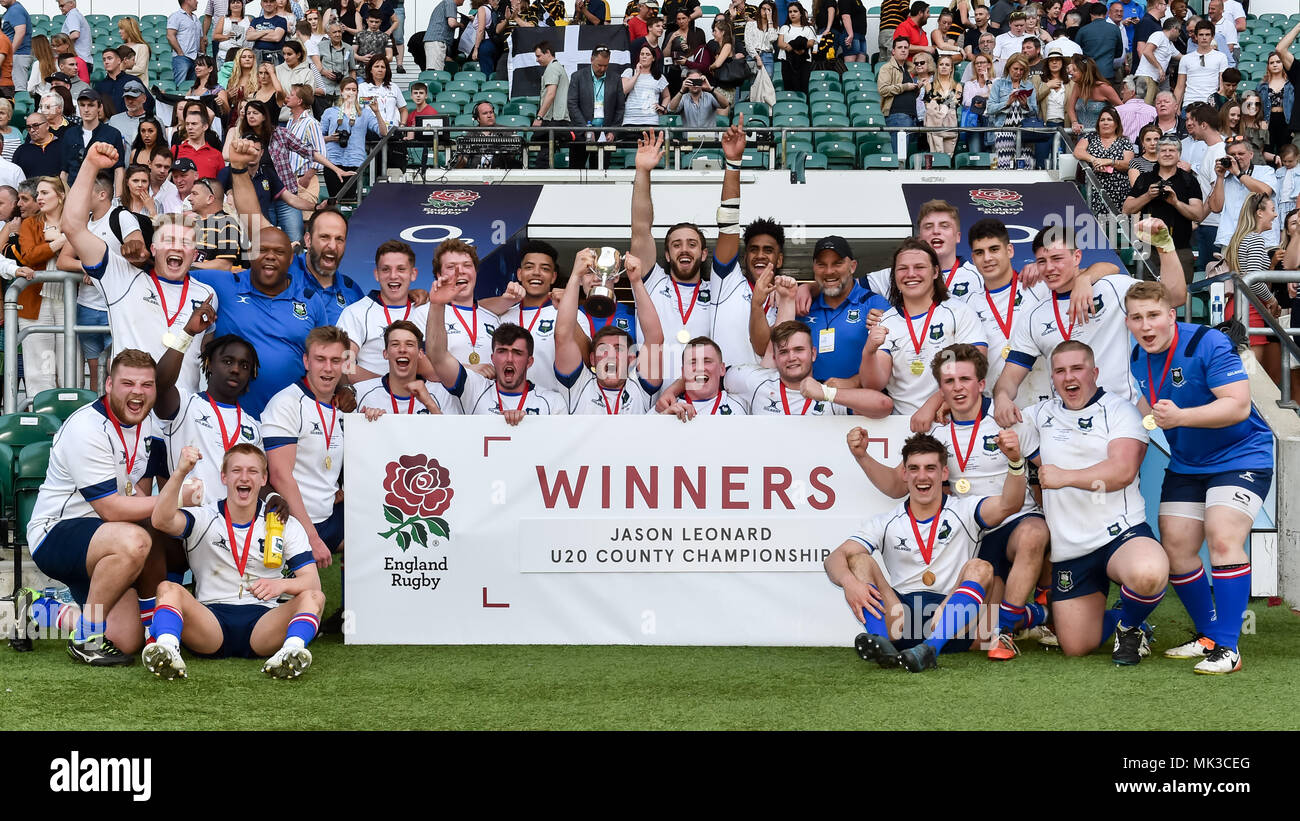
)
(376, 393)
(986, 467)
(469, 330)
(721, 403)
(199, 423)
(991, 307)
(212, 560)
(761, 390)
(136, 311)
(1105, 333)
(890, 538)
(965, 283)
(88, 462)
(585, 395)
(694, 315)
(478, 396)
(540, 322)
(1083, 520)
(294, 417)
(365, 321)
(731, 320)
(952, 321)
(91, 296)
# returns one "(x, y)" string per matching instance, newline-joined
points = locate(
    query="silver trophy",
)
(601, 301)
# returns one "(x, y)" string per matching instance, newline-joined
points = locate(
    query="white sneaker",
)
(288, 662)
(164, 661)
(1220, 662)
(1040, 633)
(1197, 648)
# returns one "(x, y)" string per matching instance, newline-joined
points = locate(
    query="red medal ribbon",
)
(947, 283)
(239, 416)
(334, 412)
(925, 329)
(1005, 327)
(473, 335)
(241, 562)
(1169, 360)
(786, 403)
(522, 399)
(537, 313)
(388, 317)
(716, 404)
(162, 300)
(970, 447)
(1065, 332)
(618, 401)
(117, 426)
(685, 314)
(410, 405)
(926, 547)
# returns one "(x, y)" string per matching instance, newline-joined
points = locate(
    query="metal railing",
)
(69, 329)
(1273, 328)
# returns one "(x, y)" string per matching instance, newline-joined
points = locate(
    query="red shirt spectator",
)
(206, 158)
(909, 30)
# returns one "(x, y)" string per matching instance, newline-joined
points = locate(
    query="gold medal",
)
(1006, 351)
(927, 578)
(329, 463)
(129, 490)
(962, 485)
(683, 336)
(1149, 422)
(473, 357)
(918, 367)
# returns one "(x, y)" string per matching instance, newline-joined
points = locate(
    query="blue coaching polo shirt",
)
(335, 298)
(840, 333)
(276, 326)
(1204, 360)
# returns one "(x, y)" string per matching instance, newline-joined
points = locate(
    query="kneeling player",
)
(934, 573)
(233, 611)
(1089, 444)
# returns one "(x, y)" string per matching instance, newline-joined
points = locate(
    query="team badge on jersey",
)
(1098, 305)
(704, 294)
(853, 316)
(343, 303)
(491, 329)
(960, 289)
(944, 532)
(1177, 375)
(990, 444)
(936, 331)
(531, 411)
(300, 309)
(1064, 580)
(819, 407)
(545, 326)
(725, 410)
(1113, 529)
(246, 432)
(1085, 424)
(621, 323)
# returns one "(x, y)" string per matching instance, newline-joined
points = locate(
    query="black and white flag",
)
(573, 46)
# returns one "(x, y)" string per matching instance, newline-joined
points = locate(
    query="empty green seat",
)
(61, 402)
(880, 161)
(18, 429)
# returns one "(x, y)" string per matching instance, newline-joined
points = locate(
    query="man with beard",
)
(509, 393)
(150, 291)
(401, 389)
(608, 386)
(325, 238)
(843, 313)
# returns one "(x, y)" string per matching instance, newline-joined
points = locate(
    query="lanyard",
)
(1065, 332)
(684, 313)
(389, 317)
(537, 312)
(785, 403)
(241, 562)
(926, 547)
(522, 399)
(618, 401)
(473, 335)
(947, 283)
(334, 412)
(970, 446)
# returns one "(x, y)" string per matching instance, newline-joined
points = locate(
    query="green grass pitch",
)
(669, 688)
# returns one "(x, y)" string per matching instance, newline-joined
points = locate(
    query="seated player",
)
(608, 385)
(233, 610)
(1089, 445)
(509, 393)
(83, 529)
(702, 371)
(304, 444)
(791, 390)
(364, 321)
(924, 319)
(1015, 549)
(1220, 466)
(401, 390)
(934, 587)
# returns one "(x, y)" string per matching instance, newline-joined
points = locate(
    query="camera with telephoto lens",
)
(343, 136)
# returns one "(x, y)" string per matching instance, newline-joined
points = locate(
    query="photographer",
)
(1171, 194)
(698, 102)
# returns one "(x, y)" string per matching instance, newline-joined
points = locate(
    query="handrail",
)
(1290, 350)
(354, 182)
(69, 329)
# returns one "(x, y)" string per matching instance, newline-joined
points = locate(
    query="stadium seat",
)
(965, 160)
(496, 98)
(867, 120)
(670, 120)
(790, 109)
(818, 76)
(791, 97)
(870, 142)
(829, 107)
(18, 429)
(458, 97)
(823, 96)
(443, 77)
(889, 161)
(857, 98)
(514, 121)
(33, 463)
(851, 86)
(752, 109)
(154, 19)
(824, 85)
(791, 121)
(936, 160)
(61, 402)
(475, 77)
(838, 153)
(521, 107)
(815, 160)
(447, 108)
(496, 85)
(466, 86)
(7, 469)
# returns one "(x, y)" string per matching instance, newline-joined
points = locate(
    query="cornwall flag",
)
(573, 46)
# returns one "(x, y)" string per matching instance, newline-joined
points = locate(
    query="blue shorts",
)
(62, 553)
(237, 622)
(1188, 494)
(919, 610)
(92, 345)
(1086, 575)
(859, 45)
(331, 530)
(994, 545)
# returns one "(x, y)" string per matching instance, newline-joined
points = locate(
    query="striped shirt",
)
(307, 129)
(283, 145)
(893, 13)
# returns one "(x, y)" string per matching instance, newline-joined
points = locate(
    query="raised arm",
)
(650, 354)
(650, 150)
(994, 510)
(167, 515)
(1171, 269)
(1283, 48)
(169, 364)
(445, 366)
(733, 148)
(89, 248)
(242, 154)
(1004, 394)
(568, 353)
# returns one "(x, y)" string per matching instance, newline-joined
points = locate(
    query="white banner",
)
(601, 530)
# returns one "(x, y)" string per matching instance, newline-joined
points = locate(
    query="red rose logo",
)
(418, 492)
(453, 195)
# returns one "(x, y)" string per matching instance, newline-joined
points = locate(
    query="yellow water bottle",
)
(273, 552)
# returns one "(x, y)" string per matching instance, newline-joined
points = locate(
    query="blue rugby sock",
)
(874, 625)
(1231, 597)
(1035, 614)
(176, 578)
(1193, 591)
(303, 626)
(1108, 621)
(87, 628)
(962, 608)
(1009, 616)
(1133, 608)
(146, 614)
(167, 621)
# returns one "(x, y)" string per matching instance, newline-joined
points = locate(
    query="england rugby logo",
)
(418, 492)
(997, 200)
(450, 201)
